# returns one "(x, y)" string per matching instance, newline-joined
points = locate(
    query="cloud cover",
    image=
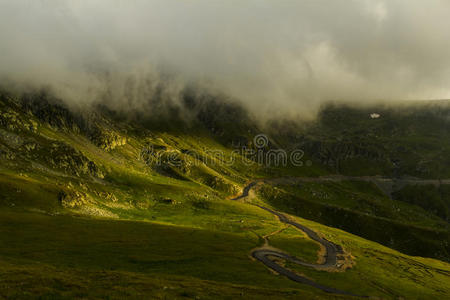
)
(285, 56)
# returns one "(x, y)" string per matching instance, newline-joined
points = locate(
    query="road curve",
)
(264, 254)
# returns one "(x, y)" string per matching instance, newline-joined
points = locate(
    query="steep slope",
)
(408, 139)
(85, 192)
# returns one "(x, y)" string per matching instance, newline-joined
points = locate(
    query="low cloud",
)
(287, 57)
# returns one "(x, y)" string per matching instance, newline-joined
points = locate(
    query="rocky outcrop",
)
(220, 184)
(20, 114)
(12, 120)
(108, 196)
(52, 112)
(107, 139)
(71, 198)
(63, 156)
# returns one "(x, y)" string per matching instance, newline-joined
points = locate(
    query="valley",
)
(97, 204)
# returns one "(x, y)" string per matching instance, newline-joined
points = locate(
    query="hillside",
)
(142, 203)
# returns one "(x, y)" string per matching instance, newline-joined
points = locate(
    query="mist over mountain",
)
(276, 58)
(224, 149)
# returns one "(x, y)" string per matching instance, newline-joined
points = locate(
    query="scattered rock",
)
(107, 139)
(63, 156)
(107, 196)
(167, 201)
(72, 199)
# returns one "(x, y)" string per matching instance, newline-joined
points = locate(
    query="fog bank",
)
(275, 57)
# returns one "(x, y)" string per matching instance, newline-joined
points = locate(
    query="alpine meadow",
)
(211, 149)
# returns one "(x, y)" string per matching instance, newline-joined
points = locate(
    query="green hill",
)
(96, 203)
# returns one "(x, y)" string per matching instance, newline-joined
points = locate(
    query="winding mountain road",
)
(265, 254)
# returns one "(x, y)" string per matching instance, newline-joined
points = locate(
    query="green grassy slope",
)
(361, 209)
(145, 258)
(407, 139)
(96, 205)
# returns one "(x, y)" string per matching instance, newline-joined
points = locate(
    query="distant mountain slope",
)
(69, 178)
(101, 162)
(404, 140)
